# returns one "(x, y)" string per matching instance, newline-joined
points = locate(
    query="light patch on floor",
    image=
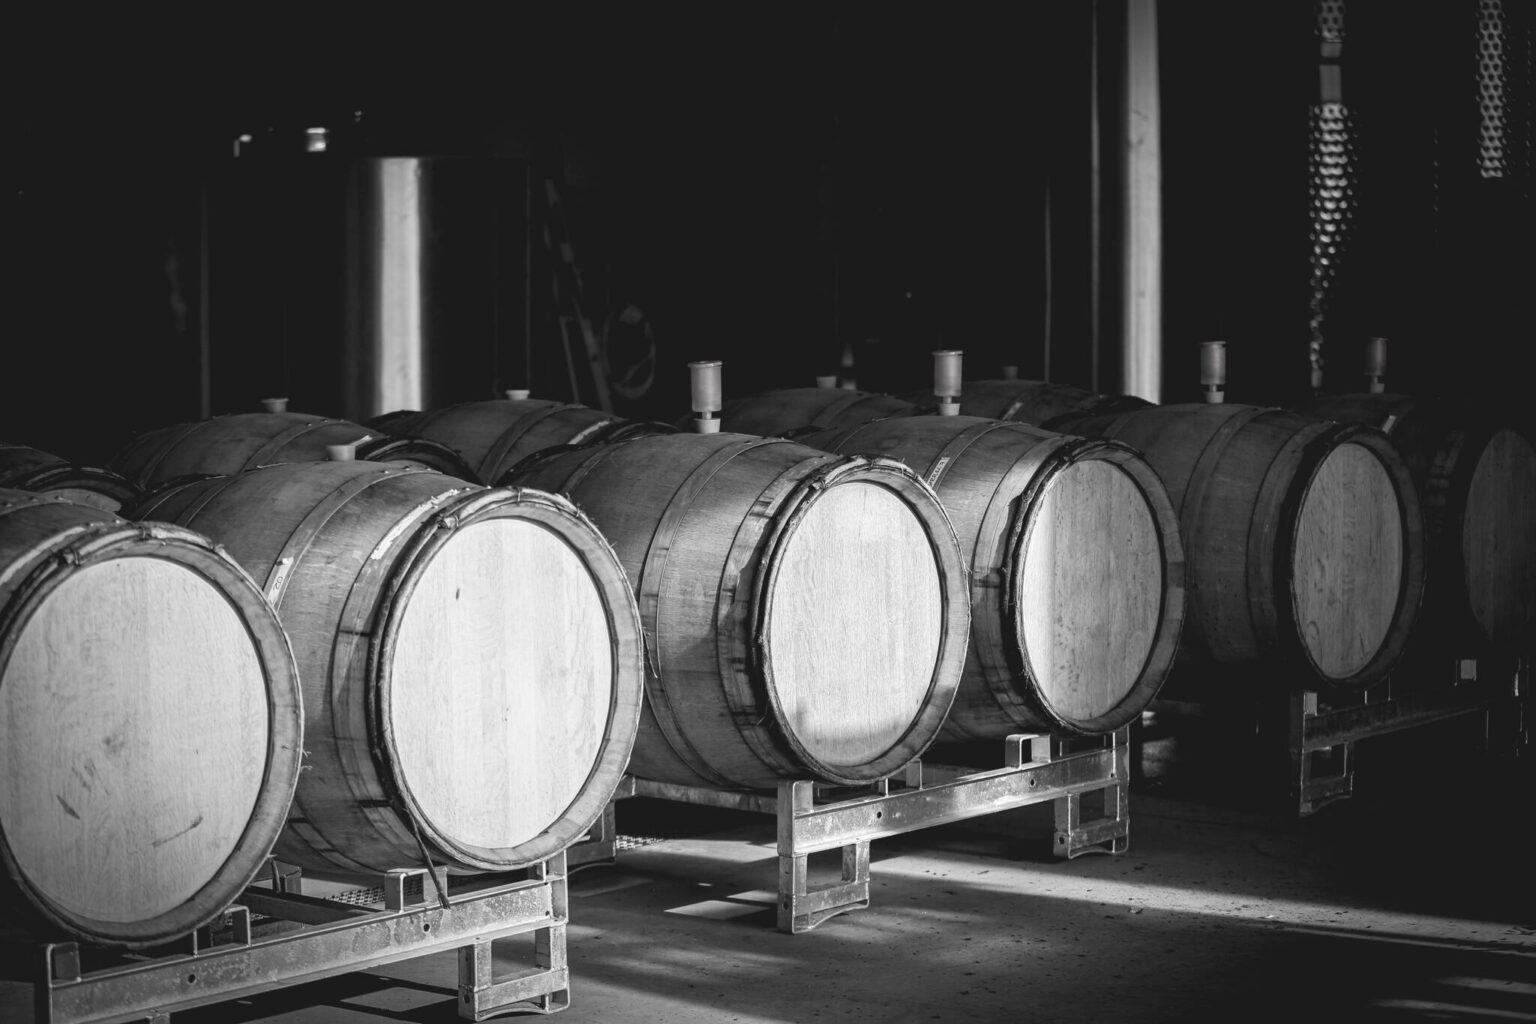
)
(730, 907)
(1448, 1011)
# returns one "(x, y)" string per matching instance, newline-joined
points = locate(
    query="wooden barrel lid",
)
(856, 608)
(1089, 589)
(1499, 538)
(510, 677)
(152, 719)
(1347, 561)
(508, 605)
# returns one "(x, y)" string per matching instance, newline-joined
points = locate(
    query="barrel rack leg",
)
(1319, 775)
(1110, 831)
(1321, 739)
(600, 844)
(801, 908)
(277, 937)
(543, 987)
(811, 818)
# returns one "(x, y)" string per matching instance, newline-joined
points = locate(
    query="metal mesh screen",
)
(1331, 164)
(359, 897)
(622, 843)
(1491, 80)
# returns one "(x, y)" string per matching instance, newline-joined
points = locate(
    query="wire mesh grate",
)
(622, 843)
(1492, 76)
(1331, 167)
(359, 897)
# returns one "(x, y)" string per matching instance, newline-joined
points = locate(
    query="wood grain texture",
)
(1091, 593)
(1474, 479)
(1035, 402)
(232, 444)
(30, 469)
(345, 548)
(502, 681)
(695, 519)
(856, 610)
(150, 724)
(229, 444)
(1347, 563)
(494, 436)
(775, 413)
(1014, 494)
(1239, 475)
(1499, 540)
(135, 732)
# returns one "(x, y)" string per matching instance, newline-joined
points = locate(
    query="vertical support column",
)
(1142, 251)
(1301, 706)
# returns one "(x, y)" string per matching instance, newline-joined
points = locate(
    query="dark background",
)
(781, 188)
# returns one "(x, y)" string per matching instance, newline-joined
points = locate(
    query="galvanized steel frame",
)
(1322, 739)
(321, 938)
(601, 843)
(1037, 768)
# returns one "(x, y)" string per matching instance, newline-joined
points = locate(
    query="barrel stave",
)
(789, 410)
(1000, 483)
(169, 724)
(675, 528)
(1259, 492)
(1476, 478)
(343, 549)
(1039, 403)
(225, 445)
(701, 522)
(493, 436)
(31, 469)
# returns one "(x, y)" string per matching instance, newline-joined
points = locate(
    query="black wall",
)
(774, 187)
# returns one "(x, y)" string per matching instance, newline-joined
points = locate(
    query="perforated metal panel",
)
(1491, 92)
(1331, 167)
(622, 843)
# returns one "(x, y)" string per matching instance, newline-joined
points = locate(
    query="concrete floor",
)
(1412, 900)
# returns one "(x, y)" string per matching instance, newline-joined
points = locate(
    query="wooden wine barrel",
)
(24, 468)
(231, 444)
(1077, 569)
(1036, 402)
(789, 410)
(493, 436)
(1476, 478)
(470, 656)
(1303, 537)
(151, 722)
(805, 613)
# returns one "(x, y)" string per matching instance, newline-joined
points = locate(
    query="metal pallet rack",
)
(275, 937)
(813, 817)
(1321, 736)
(1314, 735)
